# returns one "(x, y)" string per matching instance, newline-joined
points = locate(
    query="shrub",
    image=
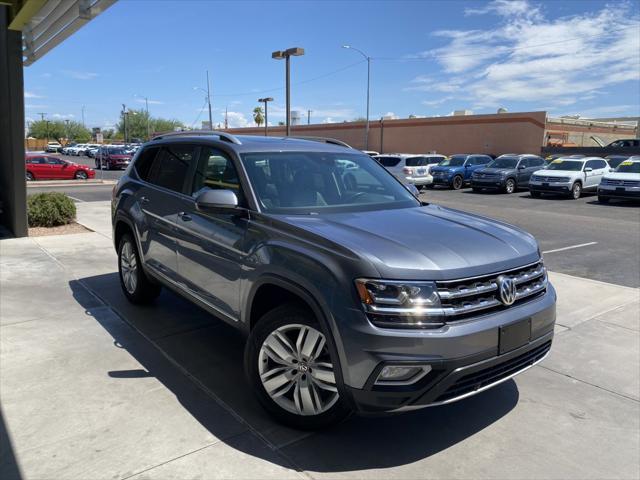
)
(50, 209)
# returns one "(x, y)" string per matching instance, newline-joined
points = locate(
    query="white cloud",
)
(78, 75)
(238, 120)
(527, 58)
(439, 101)
(151, 102)
(32, 106)
(390, 116)
(63, 116)
(28, 94)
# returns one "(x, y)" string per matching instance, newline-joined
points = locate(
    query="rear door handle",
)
(185, 217)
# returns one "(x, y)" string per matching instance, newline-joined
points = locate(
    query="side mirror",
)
(611, 170)
(220, 201)
(521, 167)
(588, 169)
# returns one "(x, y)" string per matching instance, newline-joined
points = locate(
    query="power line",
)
(199, 114)
(313, 79)
(506, 50)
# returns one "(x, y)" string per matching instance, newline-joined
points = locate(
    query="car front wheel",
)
(81, 175)
(510, 186)
(30, 177)
(576, 191)
(290, 367)
(457, 182)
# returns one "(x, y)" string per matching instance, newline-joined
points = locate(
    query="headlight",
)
(396, 304)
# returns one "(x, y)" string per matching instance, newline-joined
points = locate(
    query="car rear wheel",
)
(510, 185)
(576, 191)
(289, 365)
(457, 182)
(134, 282)
(81, 175)
(30, 177)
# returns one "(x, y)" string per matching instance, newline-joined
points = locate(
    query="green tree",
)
(137, 124)
(59, 130)
(258, 116)
(108, 133)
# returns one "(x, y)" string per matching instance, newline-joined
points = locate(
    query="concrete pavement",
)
(93, 387)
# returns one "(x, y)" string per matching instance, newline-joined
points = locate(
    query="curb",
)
(69, 183)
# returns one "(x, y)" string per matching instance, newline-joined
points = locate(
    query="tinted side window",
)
(592, 164)
(600, 164)
(536, 161)
(170, 167)
(215, 171)
(144, 161)
(388, 161)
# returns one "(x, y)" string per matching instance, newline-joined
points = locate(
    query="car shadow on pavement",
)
(9, 469)
(200, 360)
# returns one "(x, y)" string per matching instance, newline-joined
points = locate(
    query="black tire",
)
(145, 291)
(534, 194)
(576, 191)
(603, 199)
(81, 175)
(291, 315)
(30, 177)
(510, 186)
(457, 182)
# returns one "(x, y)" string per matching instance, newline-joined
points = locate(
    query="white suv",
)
(623, 183)
(569, 176)
(410, 168)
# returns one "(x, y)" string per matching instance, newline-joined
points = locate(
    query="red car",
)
(44, 167)
(111, 157)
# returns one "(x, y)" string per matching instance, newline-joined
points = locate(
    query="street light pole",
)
(266, 100)
(368, 58)
(286, 55)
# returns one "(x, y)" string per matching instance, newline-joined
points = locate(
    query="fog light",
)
(402, 374)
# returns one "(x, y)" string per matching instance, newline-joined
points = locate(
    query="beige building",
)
(495, 134)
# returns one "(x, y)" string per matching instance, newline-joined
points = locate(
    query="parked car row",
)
(568, 176)
(40, 166)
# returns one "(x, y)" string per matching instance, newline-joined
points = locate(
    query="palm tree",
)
(258, 116)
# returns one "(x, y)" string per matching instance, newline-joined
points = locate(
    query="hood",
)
(445, 169)
(495, 170)
(557, 173)
(428, 243)
(622, 176)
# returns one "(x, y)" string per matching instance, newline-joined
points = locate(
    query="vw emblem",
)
(506, 290)
(303, 367)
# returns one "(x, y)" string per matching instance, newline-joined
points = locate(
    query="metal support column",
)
(13, 188)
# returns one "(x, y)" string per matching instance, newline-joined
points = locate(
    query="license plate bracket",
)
(514, 335)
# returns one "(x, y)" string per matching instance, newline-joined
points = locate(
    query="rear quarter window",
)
(388, 161)
(144, 162)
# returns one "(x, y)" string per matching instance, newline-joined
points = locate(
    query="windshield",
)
(569, 165)
(503, 162)
(454, 161)
(628, 167)
(318, 182)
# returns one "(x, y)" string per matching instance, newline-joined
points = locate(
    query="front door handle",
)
(144, 199)
(185, 217)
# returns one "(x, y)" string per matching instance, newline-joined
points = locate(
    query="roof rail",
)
(227, 137)
(332, 141)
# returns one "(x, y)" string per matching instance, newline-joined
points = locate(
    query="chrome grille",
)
(462, 298)
(621, 183)
(541, 178)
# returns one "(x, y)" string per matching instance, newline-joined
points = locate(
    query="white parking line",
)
(74, 198)
(569, 248)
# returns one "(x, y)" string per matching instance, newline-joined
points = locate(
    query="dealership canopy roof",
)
(46, 24)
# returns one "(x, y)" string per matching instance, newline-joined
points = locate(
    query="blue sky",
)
(428, 58)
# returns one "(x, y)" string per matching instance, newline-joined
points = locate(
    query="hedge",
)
(50, 209)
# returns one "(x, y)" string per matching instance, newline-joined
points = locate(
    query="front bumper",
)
(553, 187)
(464, 356)
(445, 180)
(612, 191)
(488, 182)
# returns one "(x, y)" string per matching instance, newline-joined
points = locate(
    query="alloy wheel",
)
(576, 190)
(510, 186)
(296, 370)
(129, 268)
(457, 183)
(81, 175)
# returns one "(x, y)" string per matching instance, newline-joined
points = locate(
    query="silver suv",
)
(353, 295)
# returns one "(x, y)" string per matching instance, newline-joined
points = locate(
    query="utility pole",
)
(226, 117)
(266, 100)
(309, 117)
(47, 130)
(83, 124)
(41, 116)
(368, 58)
(209, 102)
(124, 121)
(67, 129)
(146, 101)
